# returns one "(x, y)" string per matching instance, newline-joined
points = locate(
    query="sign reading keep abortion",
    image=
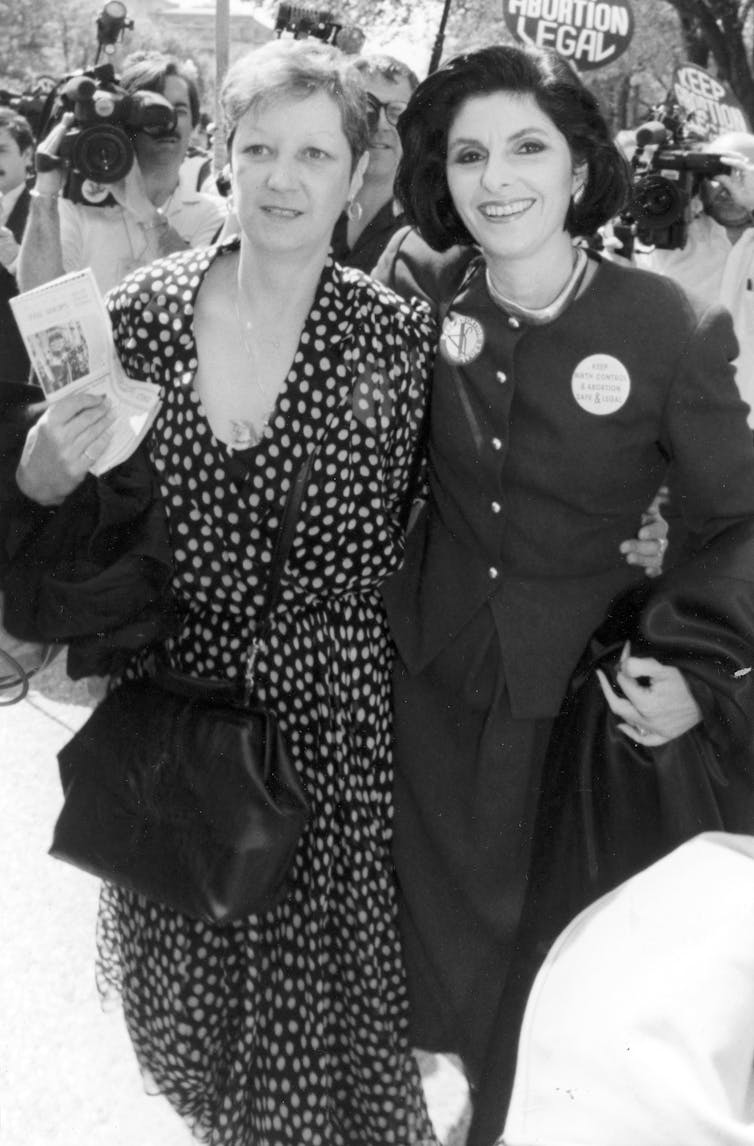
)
(589, 33)
(708, 104)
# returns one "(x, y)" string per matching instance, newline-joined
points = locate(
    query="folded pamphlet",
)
(67, 333)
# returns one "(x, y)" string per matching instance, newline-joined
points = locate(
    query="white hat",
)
(639, 1030)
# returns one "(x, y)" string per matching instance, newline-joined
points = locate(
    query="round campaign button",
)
(462, 338)
(600, 384)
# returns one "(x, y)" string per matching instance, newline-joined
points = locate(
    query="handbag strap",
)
(280, 553)
(214, 691)
(15, 677)
(283, 542)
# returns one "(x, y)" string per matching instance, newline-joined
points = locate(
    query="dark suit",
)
(611, 807)
(16, 221)
(371, 242)
(14, 361)
(571, 484)
(546, 444)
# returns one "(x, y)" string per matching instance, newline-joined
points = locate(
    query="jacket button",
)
(501, 377)
(496, 507)
(494, 574)
(497, 444)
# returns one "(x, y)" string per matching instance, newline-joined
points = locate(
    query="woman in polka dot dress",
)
(290, 1027)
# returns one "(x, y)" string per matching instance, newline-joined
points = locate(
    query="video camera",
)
(301, 21)
(667, 175)
(97, 148)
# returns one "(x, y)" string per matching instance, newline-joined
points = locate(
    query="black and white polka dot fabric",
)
(289, 1028)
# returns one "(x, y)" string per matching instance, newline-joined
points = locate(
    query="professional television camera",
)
(667, 175)
(301, 21)
(97, 148)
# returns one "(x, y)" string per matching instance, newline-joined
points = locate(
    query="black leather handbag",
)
(182, 790)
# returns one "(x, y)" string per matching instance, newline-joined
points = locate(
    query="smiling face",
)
(292, 174)
(384, 142)
(511, 176)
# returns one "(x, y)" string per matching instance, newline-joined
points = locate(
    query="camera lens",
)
(103, 154)
(657, 202)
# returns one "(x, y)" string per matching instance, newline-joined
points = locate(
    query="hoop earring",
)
(354, 210)
(578, 195)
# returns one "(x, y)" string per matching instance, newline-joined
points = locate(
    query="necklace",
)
(540, 315)
(244, 432)
(247, 328)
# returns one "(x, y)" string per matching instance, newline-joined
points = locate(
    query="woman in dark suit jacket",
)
(567, 390)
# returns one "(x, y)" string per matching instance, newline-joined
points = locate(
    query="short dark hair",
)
(18, 127)
(147, 72)
(421, 181)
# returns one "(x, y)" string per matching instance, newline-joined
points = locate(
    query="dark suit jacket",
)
(16, 221)
(14, 361)
(372, 241)
(534, 484)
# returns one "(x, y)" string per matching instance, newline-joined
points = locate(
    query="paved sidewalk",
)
(67, 1073)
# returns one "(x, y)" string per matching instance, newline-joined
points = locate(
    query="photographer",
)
(156, 210)
(717, 261)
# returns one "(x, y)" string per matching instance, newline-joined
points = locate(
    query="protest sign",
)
(589, 33)
(707, 102)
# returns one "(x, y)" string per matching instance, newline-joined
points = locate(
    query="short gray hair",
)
(285, 69)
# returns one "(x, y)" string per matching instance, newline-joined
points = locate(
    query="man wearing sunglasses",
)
(361, 236)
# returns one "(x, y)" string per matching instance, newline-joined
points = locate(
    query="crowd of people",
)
(398, 287)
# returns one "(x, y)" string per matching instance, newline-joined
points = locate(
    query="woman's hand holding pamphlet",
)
(67, 333)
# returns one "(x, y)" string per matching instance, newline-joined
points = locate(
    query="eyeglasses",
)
(393, 110)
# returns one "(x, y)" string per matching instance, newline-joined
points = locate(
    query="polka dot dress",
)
(290, 1027)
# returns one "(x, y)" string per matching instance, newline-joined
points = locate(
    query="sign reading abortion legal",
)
(708, 103)
(590, 33)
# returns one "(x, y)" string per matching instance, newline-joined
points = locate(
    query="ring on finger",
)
(639, 730)
(88, 456)
(662, 544)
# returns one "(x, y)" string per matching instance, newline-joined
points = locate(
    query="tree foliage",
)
(717, 34)
(55, 37)
(52, 38)
(45, 37)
